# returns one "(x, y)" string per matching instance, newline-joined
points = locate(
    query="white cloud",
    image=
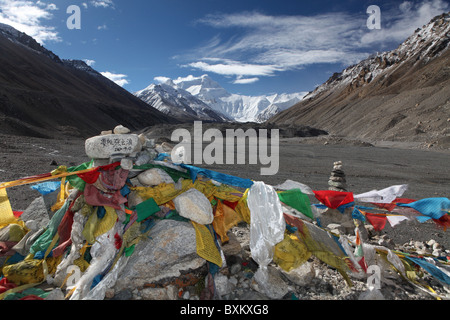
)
(89, 62)
(52, 7)
(262, 45)
(184, 79)
(102, 27)
(229, 67)
(161, 79)
(26, 16)
(119, 79)
(245, 80)
(103, 3)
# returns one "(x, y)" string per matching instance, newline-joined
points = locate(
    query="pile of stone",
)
(337, 180)
(120, 145)
(313, 280)
(431, 247)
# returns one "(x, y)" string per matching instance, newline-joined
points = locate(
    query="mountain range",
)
(205, 99)
(42, 95)
(399, 95)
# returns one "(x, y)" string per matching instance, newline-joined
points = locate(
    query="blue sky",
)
(250, 47)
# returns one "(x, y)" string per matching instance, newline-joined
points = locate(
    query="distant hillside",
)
(44, 96)
(401, 95)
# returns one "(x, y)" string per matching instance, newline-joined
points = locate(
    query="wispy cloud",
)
(245, 80)
(267, 44)
(229, 67)
(119, 79)
(29, 17)
(262, 45)
(103, 3)
(49, 6)
(399, 23)
(89, 62)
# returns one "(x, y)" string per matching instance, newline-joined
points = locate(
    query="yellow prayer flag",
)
(95, 227)
(6, 213)
(224, 219)
(206, 247)
(291, 253)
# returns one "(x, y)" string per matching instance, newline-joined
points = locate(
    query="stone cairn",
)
(337, 180)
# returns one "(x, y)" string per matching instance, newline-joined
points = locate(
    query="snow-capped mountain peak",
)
(170, 99)
(234, 107)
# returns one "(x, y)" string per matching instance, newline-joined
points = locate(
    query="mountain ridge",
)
(178, 103)
(42, 95)
(402, 94)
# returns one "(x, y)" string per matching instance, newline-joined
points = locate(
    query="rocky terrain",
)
(307, 160)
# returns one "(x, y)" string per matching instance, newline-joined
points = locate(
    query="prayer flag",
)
(434, 208)
(296, 199)
(378, 221)
(334, 199)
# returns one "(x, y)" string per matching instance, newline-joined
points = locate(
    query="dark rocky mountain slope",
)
(44, 96)
(401, 95)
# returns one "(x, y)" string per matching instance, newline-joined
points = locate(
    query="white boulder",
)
(154, 177)
(194, 205)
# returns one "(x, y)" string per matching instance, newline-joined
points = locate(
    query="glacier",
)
(204, 91)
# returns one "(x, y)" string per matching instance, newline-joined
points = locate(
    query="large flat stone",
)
(103, 147)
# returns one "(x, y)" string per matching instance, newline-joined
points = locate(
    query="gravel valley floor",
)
(308, 161)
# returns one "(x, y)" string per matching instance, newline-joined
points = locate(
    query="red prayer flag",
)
(334, 199)
(92, 176)
(378, 221)
(232, 205)
(391, 206)
(89, 177)
(443, 222)
(362, 263)
(17, 214)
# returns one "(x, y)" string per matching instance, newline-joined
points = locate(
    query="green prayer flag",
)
(146, 209)
(75, 181)
(297, 200)
(129, 251)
